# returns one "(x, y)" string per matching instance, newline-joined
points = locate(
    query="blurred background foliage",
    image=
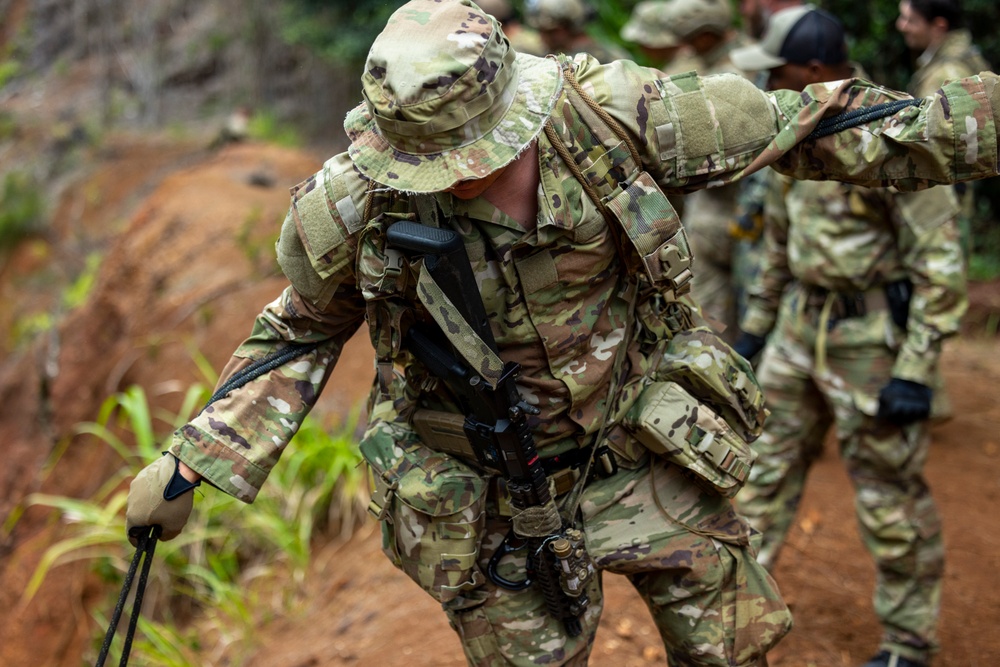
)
(343, 31)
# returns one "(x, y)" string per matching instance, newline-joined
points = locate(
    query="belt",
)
(834, 307)
(845, 304)
(445, 432)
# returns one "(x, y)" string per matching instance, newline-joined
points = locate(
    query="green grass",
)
(21, 208)
(205, 591)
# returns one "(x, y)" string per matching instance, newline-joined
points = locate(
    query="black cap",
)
(796, 35)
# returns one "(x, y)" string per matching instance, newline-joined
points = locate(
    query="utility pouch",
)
(702, 410)
(898, 295)
(713, 373)
(673, 424)
(432, 510)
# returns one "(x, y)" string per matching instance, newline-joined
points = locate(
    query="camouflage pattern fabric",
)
(709, 215)
(956, 58)
(678, 558)
(847, 239)
(554, 287)
(818, 371)
(897, 517)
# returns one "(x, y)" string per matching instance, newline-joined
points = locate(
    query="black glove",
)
(903, 402)
(749, 345)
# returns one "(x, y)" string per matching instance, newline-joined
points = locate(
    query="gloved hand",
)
(749, 345)
(159, 496)
(903, 402)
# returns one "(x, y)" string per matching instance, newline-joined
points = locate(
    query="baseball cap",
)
(649, 25)
(446, 99)
(796, 35)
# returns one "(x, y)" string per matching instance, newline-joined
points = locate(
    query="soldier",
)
(562, 25)
(934, 32)
(858, 288)
(650, 28)
(709, 215)
(548, 175)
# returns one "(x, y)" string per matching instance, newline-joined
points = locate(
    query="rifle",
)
(497, 427)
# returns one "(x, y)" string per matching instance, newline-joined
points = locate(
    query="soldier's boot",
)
(892, 659)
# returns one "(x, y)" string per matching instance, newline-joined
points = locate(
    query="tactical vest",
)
(603, 163)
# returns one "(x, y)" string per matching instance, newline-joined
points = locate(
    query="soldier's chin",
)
(474, 187)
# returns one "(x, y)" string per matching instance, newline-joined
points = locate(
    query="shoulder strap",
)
(620, 188)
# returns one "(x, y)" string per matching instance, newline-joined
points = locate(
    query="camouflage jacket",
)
(955, 58)
(555, 289)
(846, 238)
(710, 213)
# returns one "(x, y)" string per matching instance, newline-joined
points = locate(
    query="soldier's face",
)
(917, 31)
(788, 77)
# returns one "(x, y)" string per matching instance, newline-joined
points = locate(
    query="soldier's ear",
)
(815, 72)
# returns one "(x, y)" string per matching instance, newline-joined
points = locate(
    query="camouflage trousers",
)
(897, 517)
(685, 550)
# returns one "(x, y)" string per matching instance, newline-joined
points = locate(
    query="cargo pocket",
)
(431, 509)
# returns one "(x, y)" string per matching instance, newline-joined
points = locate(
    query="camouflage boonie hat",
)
(446, 98)
(650, 26)
(690, 17)
(550, 14)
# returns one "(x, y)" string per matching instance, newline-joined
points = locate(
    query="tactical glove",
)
(903, 402)
(749, 345)
(159, 496)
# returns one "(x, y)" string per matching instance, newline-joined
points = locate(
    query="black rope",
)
(146, 545)
(845, 121)
(261, 366)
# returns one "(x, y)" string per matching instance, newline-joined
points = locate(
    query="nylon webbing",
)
(261, 366)
(846, 121)
(476, 352)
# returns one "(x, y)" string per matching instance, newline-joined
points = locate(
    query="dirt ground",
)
(361, 611)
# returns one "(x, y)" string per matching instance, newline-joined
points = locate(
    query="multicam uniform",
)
(556, 293)
(709, 216)
(955, 58)
(831, 249)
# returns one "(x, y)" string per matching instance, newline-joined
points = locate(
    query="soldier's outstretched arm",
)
(696, 132)
(275, 376)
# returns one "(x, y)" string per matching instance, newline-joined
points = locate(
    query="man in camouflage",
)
(848, 348)
(458, 130)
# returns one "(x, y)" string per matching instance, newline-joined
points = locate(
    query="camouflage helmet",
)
(690, 17)
(649, 25)
(446, 99)
(549, 14)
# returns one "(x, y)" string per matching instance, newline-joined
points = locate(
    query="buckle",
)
(606, 463)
